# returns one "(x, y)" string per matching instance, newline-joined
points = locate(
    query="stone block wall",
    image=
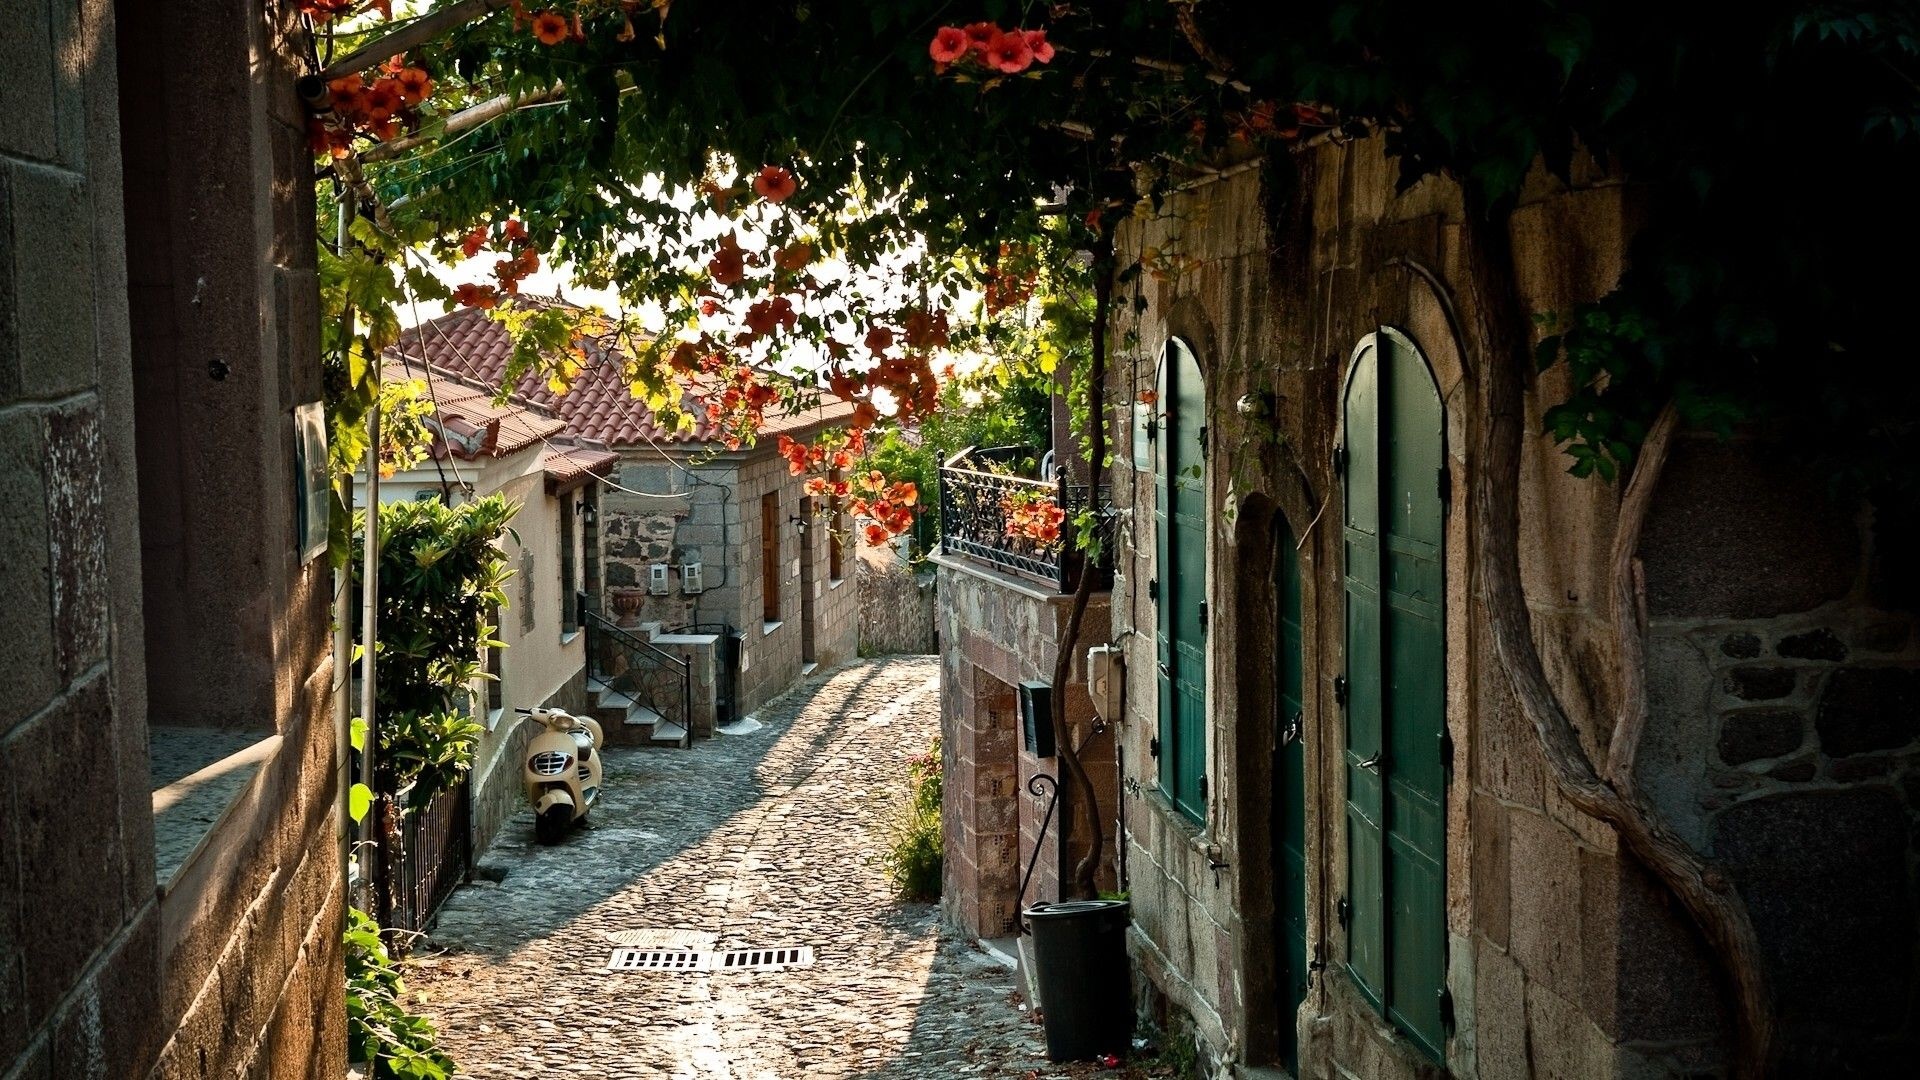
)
(1781, 674)
(718, 523)
(1784, 718)
(80, 928)
(146, 439)
(1001, 631)
(898, 606)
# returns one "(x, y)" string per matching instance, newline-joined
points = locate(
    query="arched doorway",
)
(1288, 805)
(1393, 465)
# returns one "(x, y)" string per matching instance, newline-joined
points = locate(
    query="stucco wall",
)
(146, 439)
(1563, 959)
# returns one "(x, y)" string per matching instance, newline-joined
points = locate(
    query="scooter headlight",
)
(550, 763)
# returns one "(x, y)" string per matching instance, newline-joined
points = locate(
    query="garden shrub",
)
(915, 853)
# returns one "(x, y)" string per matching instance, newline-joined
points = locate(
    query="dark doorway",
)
(1288, 804)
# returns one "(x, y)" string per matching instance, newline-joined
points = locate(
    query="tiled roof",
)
(564, 460)
(470, 425)
(599, 405)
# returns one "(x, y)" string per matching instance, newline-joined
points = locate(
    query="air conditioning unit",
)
(657, 584)
(691, 579)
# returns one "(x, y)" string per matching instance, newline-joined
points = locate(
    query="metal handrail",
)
(602, 631)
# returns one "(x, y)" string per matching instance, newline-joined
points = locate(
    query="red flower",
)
(876, 535)
(515, 230)
(1037, 44)
(879, 339)
(793, 257)
(774, 184)
(949, 44)
(476, 296)
(382, 99)
(471, 243)
(728, 265)
(980, 35)
(550, 27)
(1009, 53)
(415, 85)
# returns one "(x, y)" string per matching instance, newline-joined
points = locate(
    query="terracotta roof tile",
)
(469, 424)
(598, 406)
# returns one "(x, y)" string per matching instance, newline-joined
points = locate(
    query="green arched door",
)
(1180, 587)
(1289, 806)
(1396, 685)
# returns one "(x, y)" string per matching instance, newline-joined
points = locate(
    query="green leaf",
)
(359, 801)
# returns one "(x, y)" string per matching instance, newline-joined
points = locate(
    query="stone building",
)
(714, 555)
(1405, 888)
(517, 451)
(172, 848)
(1001, 602)
(1346, 852)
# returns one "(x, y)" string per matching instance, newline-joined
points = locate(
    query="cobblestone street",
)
(765, 839)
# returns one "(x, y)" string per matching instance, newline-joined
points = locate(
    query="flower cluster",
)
(988, 47)
(1032, 516)
(889, 505)
(375, 107)
(507, 272)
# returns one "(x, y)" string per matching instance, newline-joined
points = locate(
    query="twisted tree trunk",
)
(1709, 898)
(1078, 802)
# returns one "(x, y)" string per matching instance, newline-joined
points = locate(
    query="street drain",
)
(750, 959)
(670, 959)
(658, 960)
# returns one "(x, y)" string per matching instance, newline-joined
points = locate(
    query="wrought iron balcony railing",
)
(978, 500)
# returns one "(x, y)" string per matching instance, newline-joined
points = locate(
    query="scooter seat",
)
(584, 740)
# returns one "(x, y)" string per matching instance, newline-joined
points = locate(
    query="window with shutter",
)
(1396, 669)
(1180, 583)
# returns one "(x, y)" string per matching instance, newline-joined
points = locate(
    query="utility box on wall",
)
(1036, 718)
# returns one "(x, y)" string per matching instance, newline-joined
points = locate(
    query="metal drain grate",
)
(658, 960)
(670, 959)
(750, 959)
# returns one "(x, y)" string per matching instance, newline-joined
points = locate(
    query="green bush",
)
(915, 853)
(393, 1043)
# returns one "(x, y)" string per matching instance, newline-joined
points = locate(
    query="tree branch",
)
(464, 120)
(1081, 793)
(1710, 900)
(418, 32)
(1629, 600)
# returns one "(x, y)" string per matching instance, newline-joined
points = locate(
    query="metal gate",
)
(423, 858)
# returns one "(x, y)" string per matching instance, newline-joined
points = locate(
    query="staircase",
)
(642, 694)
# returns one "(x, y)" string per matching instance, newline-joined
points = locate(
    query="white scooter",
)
(563, 771)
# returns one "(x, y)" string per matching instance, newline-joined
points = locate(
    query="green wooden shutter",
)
(1366, 886)
(1396, 667)
(1289, 795)
(1180, 513)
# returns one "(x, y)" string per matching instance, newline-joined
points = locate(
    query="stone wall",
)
(1000, 631)
(1782, 681)
(898, 605)
(718, 523)
(154, 338)
(1784, 705)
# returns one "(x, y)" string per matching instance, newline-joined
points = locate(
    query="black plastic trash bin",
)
(1086, 989)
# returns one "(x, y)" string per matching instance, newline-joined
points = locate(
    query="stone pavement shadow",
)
(970, 1023)
(649, 855)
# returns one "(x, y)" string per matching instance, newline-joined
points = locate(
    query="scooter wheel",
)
(551, 826)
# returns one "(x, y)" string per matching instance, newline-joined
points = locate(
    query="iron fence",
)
(977, 501)
(426, 851)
